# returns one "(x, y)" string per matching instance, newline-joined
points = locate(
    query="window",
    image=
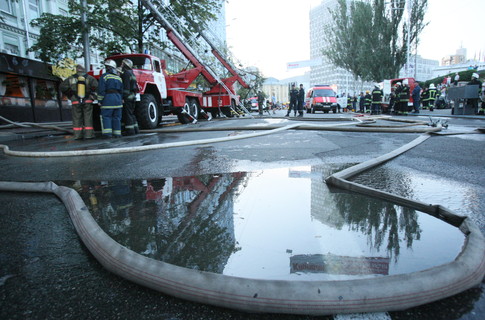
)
(11, 44)
(34, 9)
(6, 5)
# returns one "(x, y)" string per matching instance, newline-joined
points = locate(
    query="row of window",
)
(32, 6)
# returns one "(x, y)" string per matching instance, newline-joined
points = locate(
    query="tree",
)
(370, 38)
(114, 26)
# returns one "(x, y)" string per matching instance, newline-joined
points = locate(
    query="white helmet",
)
(475, 75)
(110, 63)
(398, 83)
(431, 86)
(128, 63)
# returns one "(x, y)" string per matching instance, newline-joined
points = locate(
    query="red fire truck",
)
(162, 93)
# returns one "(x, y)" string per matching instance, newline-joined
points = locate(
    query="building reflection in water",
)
(274, 224)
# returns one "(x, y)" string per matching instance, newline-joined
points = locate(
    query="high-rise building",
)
(327, 72)
(420, 68)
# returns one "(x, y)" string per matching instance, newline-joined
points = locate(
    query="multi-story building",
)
(327, 72)
(16, 33)
(420, 68)
(457, 58)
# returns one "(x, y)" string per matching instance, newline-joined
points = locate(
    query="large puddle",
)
(270, 224)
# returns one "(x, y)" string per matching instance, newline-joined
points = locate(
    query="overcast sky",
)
(270, 33)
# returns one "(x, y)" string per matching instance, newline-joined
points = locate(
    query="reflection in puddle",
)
(270, 224)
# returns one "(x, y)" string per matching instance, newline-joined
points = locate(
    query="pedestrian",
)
(81, 88)
(367, 101)
(416, 94)
(456, 79)
(301, 100)
(130, 89)
(431, 96)
(376, 99)
(260, 102)
(293, 100)
(361, 102)
(473, 103)
(273, 102)
(110, 96)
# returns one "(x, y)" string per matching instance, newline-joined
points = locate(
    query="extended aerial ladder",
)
(218, 87)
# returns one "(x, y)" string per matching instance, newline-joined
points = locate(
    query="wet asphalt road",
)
(46, 273)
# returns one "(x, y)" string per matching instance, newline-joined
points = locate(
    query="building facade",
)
(420, 68)
(16, 33)
(327, 72)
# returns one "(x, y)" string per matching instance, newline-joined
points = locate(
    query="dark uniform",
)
(425, 98)
(361, 102)
(367, 101)
(260, 102)
(416, 97)
(80, 88)
(431, 97)
(474, 102)
(110, 97)
(293, 100)
(301, 100)
(376, 100)
(403, 99)
(130, 89)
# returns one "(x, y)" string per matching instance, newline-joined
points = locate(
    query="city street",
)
(47, 273)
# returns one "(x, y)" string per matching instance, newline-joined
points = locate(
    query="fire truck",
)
(162, 93)
(388, 88)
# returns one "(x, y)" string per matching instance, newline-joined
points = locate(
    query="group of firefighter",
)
(400, 96)
(371, 101)
(115, 92)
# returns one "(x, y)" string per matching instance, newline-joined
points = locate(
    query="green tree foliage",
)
(370, 38)
(114, 26)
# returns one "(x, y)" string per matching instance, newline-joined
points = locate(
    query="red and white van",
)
(321, 98)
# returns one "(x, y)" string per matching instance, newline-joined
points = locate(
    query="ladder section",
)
(183, 44)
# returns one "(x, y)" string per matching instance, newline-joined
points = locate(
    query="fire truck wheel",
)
(147, 112)
(194, 109)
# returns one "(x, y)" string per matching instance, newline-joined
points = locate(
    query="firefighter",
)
(474, 102)
(367, 101)
(301, 100)
(293, 100)
(349, 103)
(376, 100)
(130, 89)
(431, 96)
(80, 88)
(425, 97)
(260, 102)
(404, 97)
(110, 96)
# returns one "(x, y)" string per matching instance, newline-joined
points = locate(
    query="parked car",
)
(254, 105)
(321, 98)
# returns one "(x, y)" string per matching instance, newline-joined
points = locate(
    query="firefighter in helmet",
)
(432, 96)
(376, 99)
(474, 102)
(80, 88)
(130, 89)
(110, 96)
